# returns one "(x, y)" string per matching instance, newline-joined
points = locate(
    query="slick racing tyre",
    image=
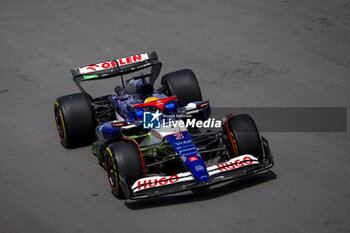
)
(123, 167)
(183, 84)
(243, 136)
(75, 120)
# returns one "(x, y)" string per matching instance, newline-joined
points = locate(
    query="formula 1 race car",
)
(150, 140)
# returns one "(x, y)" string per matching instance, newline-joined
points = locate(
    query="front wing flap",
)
(232, 169)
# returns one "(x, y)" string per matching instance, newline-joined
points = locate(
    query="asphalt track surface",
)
(246, 53)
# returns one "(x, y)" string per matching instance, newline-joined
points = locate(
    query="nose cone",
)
(184, 146)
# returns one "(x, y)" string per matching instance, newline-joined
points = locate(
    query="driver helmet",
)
(150, 99)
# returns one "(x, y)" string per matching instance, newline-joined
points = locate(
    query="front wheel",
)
(243, 136)
(123, 167)
(113, 175)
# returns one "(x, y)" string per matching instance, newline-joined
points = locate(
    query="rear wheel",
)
(243, 136)
(75, 120)
(183, 84)
(123, 167)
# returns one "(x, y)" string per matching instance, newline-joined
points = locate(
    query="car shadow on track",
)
(203, 193)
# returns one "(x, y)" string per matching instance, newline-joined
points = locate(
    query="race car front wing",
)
(233, 169)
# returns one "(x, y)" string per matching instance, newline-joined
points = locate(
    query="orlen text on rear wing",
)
(118, 67)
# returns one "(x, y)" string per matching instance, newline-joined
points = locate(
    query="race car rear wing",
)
(118, 67)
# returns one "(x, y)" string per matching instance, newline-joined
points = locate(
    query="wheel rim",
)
(112, 172)
(59, 123)
(232, 139)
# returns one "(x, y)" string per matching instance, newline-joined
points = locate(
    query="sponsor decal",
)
(97, 67)
(199, 168)
(110, 64)
(158, 181)
(194, 158)
(132, 59)
(183, 143)
(151, 120)
(232, 164)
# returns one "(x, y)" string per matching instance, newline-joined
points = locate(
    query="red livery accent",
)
(178, 136)
(194, 158)
(204, 104)
(118, 124)
(157, 103)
